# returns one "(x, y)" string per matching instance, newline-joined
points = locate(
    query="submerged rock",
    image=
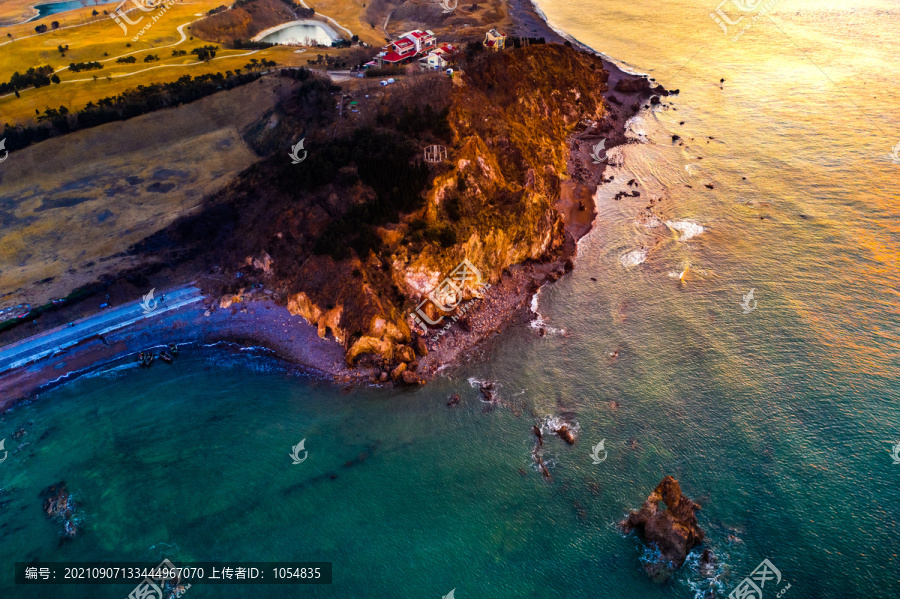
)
(487, 390)
(565, 434)
(673, 530)
(59, 505)
(537, 433)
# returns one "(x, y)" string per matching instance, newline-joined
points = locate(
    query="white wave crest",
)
(634, 257)
(687, 228)
(538, 321)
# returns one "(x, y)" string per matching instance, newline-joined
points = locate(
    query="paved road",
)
(49, 342)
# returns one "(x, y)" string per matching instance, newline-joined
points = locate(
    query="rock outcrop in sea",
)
(60, 506)
(672, 528)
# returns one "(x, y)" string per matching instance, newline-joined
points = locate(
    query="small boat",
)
(173, 349)
(146, 358)
(165, 357)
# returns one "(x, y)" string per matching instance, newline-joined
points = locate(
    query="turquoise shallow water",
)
(779, 422)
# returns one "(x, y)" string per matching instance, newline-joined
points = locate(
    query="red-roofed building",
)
(438, 59)
(407, 47)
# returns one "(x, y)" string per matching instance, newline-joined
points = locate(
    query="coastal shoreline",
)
(257, 320)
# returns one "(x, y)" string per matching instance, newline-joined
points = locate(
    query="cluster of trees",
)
(151, 58)
(33, 77)
(55, 115)
(43, 28)
(240, 44)
(216, 11)
(518, 42)
(417, 120)
(442, 234)
(206, 53)
(84, 66)
(179, 53)
(63, 49)
(259, 64)
(128, 104)
(126, 60)
(299, 9)
(383, 162)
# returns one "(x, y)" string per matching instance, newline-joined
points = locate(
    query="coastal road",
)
(110, 319)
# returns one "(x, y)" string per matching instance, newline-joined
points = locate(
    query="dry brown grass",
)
(69, 206)
(244, 22)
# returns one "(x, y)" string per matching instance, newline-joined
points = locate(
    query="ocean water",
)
(779, 420)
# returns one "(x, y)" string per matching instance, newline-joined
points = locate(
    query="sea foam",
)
(687, 228)
(634, 257)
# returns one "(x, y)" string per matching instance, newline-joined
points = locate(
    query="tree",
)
(94, 13)
(55, 24)
(54, 78)
(206, 53)
(41, 28)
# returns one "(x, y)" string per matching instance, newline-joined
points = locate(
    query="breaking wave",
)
(538, 321)
(633, 258)
(687, 228)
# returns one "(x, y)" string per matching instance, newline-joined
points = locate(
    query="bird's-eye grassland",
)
(103, 41)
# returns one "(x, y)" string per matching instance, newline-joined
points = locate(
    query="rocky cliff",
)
(357, 234)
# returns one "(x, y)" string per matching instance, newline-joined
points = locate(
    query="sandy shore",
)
(259, 321)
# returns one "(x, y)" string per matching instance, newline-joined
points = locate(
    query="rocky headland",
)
(354, 238)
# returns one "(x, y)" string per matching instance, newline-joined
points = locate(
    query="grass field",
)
(102, 40)
(70, 206)
(13, 11)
